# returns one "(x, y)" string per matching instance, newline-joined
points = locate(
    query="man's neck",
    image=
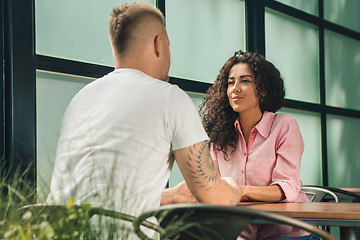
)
(143, 66)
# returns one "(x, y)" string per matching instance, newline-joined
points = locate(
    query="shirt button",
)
(242, 171)
(244, 154)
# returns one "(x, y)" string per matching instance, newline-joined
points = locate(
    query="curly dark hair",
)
(218, 116)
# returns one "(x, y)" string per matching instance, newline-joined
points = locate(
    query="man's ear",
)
(157, 44)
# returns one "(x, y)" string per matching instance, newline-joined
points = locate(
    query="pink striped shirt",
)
(272, 156)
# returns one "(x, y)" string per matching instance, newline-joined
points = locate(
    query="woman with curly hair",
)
(251, 143)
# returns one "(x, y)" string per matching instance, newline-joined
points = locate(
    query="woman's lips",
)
(235, 99)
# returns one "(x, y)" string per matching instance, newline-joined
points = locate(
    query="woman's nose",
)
(236, 87)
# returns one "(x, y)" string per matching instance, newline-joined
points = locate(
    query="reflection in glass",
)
(342, 61)
(53, 94)
(309, 6)
(343, 151)
(293, 47)
(309, 123)
(203, 35)
(76, 30)
(343, 12)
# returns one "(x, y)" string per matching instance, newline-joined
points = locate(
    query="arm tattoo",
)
(201, 166)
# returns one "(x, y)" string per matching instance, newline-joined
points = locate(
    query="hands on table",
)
(178, 194)
(181, 193)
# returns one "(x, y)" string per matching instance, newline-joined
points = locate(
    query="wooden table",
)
(344, 215)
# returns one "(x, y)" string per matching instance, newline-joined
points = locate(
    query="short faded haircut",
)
(125, 18)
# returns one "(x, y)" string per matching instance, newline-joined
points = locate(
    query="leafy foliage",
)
(67, 222)
(19, 223)
(21, 218)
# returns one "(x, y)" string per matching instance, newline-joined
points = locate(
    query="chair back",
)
(338, 192)
(318, 194)
(202, 221)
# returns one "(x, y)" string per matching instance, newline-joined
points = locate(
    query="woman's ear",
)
(262, 93)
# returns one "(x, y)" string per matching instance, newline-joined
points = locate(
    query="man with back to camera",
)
(121, 133)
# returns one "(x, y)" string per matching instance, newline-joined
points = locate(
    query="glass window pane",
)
(343, 151)
(196, 98)
(176, 175)
(203, 35)
(309, 6)
(53, 94)
(293, 46)
(309, 123)
(345, 13)
(76, 30)
(342, 61)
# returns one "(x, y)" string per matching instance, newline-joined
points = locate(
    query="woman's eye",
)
(230, 82)
(245, 81)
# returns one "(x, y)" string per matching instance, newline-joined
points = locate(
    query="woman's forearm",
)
(264, 193)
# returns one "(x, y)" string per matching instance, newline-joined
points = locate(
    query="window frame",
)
(321, 107)
(18, 89)
(20, 61)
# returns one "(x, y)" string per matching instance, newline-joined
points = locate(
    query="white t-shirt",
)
(117, 135)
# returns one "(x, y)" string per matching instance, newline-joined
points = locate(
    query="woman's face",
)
(241, 89)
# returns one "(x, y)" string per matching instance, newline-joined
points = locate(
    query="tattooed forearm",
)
(202, 167)
(235, 192)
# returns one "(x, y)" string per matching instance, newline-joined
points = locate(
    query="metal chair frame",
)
(339, 191)
(318, 194)
(196, 221)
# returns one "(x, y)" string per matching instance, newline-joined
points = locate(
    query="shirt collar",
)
(263, 127)
(265, 124)
(237, 126)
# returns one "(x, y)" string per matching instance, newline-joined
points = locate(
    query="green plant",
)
(68, 222)
(22, 219)
(72, 222)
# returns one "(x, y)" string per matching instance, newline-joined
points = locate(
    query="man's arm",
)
(203, 179)
(178, 194)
